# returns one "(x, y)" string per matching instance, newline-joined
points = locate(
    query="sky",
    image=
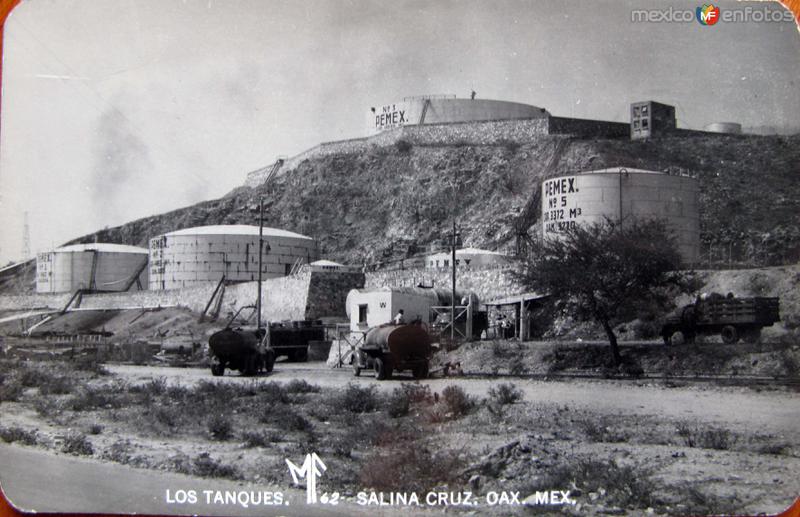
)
(113, 110)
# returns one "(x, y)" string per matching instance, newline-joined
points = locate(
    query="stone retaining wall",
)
(490, 132)
(487, 283)
(306, 295)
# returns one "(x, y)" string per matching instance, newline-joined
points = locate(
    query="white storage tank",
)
(733, 128)
(442, 109)
(591, 196)
(201, 255)
(97, 266)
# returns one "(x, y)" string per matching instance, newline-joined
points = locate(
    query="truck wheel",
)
(420, 371)
(269, 361)
(383, 369)
(729, 334)
(217, 369)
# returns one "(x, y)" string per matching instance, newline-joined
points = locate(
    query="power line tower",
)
(26, 239)
(26, 253)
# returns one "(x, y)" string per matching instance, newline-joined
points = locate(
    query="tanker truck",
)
(251, 350)
(390, 348)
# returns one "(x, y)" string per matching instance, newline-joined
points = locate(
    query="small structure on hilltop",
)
(206, 254)
(95, 266)
(650, 118)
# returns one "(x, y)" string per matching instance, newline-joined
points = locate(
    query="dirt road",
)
(737, 408)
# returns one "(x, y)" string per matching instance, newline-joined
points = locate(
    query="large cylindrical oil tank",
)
(97, 266)
(591, 196)
(444, 109)
(202, 255)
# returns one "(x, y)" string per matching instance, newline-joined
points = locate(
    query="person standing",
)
(400, 318)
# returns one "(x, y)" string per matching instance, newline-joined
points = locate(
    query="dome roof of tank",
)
(101, 247)
(237, 229)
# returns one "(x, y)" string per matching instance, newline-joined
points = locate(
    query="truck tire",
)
(269, 361)
(217, 369)
(677, 338)
(420, 371)
(730, 334)
(383, 369)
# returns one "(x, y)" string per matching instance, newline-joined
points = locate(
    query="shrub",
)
(710, 438)
(77, 444)
(87, 398)
(410, 468)
(292, 421)
(625, 486)
(119, 452)
(300, 386)
(219, 426)
(11, 389)
(17, 434)
(259, 438)
(357, 399)
(205, 466)
(95, 429)
(272, 393)
(55, 385)
(505, 393)
(403, 146)
(398, 403)
(456, 400)
(418, 393)
(90, 364)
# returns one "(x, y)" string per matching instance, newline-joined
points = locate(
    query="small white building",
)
(473, 257)
(370, 308)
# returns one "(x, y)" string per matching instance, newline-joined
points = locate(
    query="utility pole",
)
(260, 253)
(453, 297)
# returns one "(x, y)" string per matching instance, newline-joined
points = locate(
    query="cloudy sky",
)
(118, 109)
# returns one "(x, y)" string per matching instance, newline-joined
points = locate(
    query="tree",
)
(604, 270)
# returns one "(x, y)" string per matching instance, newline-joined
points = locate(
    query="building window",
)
(644, 110)
(645, 124)
(635, 124)
(362, 313)
(636, 111)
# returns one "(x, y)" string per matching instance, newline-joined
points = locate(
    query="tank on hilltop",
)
(619, 193)
(95, 266)
(443, 109)
(202, 255)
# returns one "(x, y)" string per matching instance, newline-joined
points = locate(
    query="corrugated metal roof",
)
(103, 247)
(237, 229)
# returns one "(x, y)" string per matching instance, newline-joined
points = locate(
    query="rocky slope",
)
(387, 203)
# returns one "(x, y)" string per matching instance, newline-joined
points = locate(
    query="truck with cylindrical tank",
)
(252, 350)
(733, 318)
(391, 347)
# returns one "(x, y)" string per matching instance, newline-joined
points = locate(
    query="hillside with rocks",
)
(389, 202)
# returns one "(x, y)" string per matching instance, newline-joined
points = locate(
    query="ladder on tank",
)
(424, 111)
